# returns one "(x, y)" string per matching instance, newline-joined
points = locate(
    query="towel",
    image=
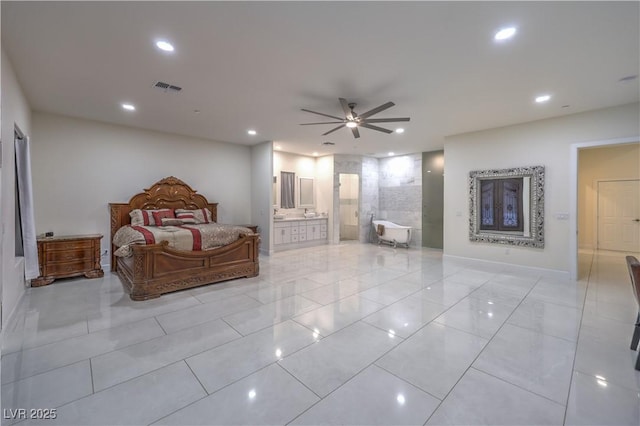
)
(380, 229)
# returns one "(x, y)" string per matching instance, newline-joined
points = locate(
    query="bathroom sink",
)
(279, 216)
(308, 215)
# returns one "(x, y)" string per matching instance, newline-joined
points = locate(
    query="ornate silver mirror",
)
(507, 206)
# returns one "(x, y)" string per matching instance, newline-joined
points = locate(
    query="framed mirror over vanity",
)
(306, 196)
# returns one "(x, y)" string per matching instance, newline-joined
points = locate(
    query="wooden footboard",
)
(157, 269)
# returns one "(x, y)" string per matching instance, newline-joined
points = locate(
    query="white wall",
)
(324, 190)
(261, 185)
(80, 166)
(544, 142)
(15, 112)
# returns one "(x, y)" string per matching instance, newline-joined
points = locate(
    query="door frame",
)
(357, 206)
(573, 194)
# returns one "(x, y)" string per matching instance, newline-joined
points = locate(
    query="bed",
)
(150, 270)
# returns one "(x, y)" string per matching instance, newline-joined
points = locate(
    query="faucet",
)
(275, 211)
(305, 210)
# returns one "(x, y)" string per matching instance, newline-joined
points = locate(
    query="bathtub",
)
(393, 234)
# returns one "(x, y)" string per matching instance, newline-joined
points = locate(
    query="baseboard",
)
(511, 267)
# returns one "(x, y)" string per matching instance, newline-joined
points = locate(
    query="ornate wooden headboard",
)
(168, 193)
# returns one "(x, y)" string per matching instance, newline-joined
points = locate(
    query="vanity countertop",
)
(290, 219)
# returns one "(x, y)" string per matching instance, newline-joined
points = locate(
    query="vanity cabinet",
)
(289, 234)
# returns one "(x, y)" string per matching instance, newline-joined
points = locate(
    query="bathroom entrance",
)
(349, 195)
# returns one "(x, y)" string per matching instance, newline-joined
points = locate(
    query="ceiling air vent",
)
(328, 143)
(167, 87)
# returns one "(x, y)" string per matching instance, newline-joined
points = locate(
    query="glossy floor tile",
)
(373, 397)
(270, 397)
(536, 362)
(434, 358)
(358, 346)
(230, 362)
(342, 334)
(481, 399)
(594, 401)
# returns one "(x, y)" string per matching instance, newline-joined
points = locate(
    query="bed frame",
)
(156, 269)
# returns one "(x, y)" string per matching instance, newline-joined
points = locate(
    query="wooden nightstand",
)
(68, 256)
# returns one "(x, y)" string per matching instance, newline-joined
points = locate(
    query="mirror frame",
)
(535, 226)
(274, 194)
(313, 195)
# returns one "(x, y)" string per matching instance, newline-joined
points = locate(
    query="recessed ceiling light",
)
(252, 132)
(278, 147)
(505, 33)
(542, 98)
(128, 107)
(352, 124)
(315, 154)
(399, 130)
(164, 45)
(391, 154)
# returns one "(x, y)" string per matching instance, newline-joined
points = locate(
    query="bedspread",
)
(183, 237)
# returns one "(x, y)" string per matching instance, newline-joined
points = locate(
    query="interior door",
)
(619, 215)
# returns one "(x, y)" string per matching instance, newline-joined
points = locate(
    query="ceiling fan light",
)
(351, 124)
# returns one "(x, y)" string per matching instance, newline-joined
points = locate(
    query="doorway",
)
(619, 215)
(349, 196)
(575, 202)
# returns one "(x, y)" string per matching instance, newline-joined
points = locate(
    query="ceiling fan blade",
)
(384, 120)
(346, 109)
(356, 133)
(326, 122)
(333, 130)
(377, 110)
(326, 115)
(380, 129)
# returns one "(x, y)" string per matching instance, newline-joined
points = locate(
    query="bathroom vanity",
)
(298, 232)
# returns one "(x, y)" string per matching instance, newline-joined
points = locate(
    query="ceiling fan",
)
(353, 120)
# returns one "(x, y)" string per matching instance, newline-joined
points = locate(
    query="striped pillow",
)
(146, 217)
(199, 215)
(162, 214)
(166, 221)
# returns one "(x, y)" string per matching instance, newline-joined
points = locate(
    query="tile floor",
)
(344, 334)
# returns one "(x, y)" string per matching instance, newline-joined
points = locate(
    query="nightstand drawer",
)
(67, 245)
(68, 255)
(67, 268)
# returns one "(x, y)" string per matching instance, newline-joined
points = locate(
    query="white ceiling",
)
(256, 64)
